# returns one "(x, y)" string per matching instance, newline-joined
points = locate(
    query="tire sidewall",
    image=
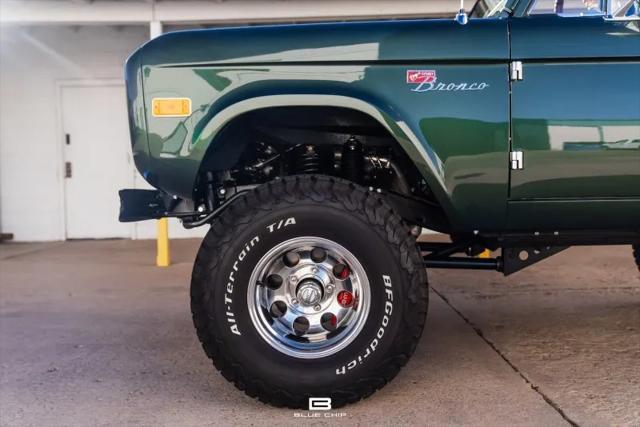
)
(259, 232)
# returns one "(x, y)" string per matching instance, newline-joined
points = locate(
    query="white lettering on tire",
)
(228, 296)
(388, 310)
(281, 224)
(228, 300)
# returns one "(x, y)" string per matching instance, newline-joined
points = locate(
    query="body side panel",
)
(458, 133)
(137, 114)
(458, 144)
(576, 117)
(362, 42)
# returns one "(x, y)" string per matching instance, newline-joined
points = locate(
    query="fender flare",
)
(425, 159)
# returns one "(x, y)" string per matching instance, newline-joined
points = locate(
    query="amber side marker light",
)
(171, 107)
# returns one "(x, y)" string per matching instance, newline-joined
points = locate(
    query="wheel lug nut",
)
(291, 259)
(293, 279)
(300, 325)
(329, 289)
(341, 271)
(329, 321)
(278, 309)
(317, 307)
(294, 301)
(345, 299)
(274, 281)
(315, 270)
(318, 255)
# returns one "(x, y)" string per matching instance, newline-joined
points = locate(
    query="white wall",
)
(32, 61)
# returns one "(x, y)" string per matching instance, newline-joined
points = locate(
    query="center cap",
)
(309, 292)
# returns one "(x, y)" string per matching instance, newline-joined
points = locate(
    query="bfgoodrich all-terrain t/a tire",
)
(309, 286)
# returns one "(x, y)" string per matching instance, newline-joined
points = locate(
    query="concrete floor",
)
(92, 334)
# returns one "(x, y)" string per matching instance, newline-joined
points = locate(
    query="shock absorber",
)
(210, 191)
(352, 163)
(308, 160)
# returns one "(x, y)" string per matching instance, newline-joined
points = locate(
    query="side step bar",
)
(513, 259)
(462, 263)
(439, 255)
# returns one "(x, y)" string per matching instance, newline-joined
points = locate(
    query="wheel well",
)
(265, 144)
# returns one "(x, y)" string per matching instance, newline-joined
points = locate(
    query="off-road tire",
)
(332, 208)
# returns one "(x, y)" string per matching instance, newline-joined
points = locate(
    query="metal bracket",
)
(517, 160)
(188, 223)
(518, 258)
(517, 71)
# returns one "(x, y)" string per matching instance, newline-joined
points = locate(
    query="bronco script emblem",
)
(421, 76)
(427, 81)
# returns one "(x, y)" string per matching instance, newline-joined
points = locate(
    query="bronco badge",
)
(427, 81)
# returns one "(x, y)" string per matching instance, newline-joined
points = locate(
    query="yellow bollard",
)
(163, 258)
(485, 254)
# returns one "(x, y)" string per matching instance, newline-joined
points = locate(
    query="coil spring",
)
(308, 161)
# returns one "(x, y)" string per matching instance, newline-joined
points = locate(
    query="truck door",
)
(575, 118)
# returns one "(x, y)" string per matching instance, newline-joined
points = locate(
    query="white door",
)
(97, 160)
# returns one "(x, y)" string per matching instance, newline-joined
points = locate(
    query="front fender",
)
(419, 121)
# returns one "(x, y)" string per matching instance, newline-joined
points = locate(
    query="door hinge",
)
(517, 71)
(517, 160)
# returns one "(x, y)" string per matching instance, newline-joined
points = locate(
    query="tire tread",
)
(290, 190)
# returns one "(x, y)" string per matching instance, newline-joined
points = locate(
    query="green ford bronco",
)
(316, 154)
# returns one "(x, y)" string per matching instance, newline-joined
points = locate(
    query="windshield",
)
(488, 8)
(624, 8)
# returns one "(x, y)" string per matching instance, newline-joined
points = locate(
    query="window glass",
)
(567, 7)
(616, 5)
(488, 8)
(624, 8)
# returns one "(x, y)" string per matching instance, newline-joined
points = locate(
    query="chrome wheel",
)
(308, 297)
